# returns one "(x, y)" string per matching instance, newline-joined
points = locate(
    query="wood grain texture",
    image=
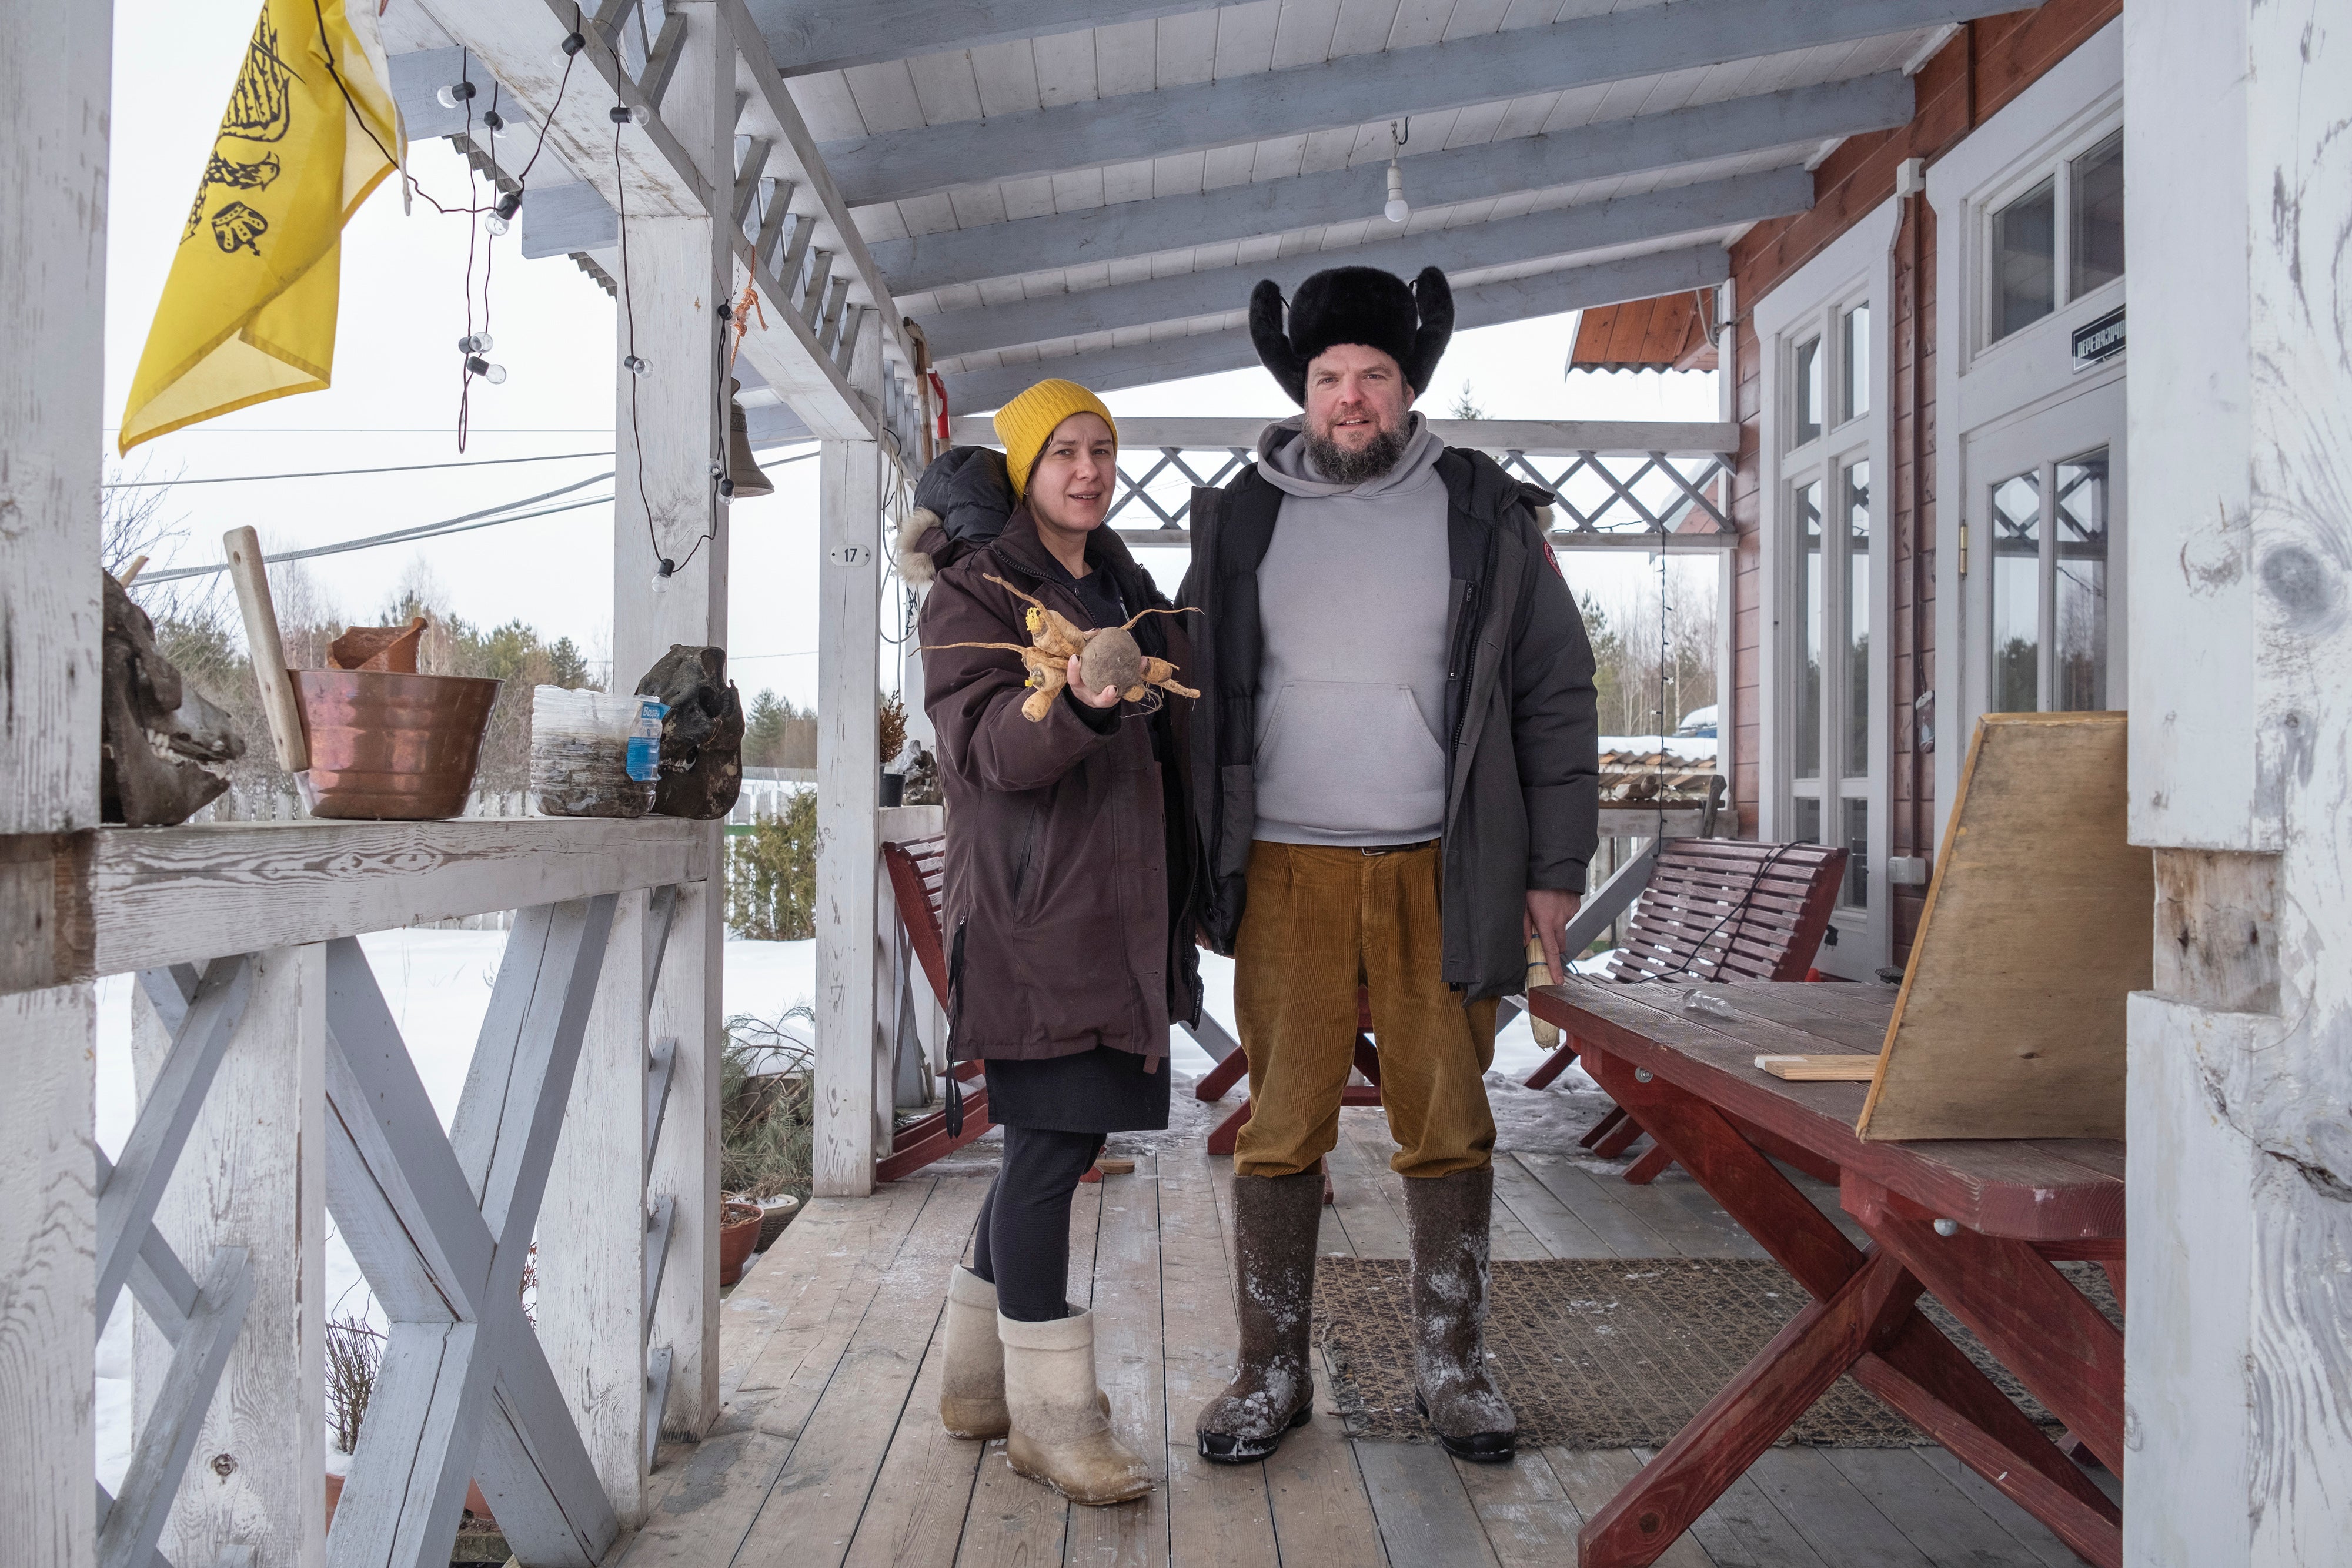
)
(171, 896)
(2010, 1021)
(48, 1286)
(253, 1174)
(1216, 1513)
(848, 1134)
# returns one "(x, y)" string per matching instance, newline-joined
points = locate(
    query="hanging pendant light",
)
(746, 474)
(1398, 209)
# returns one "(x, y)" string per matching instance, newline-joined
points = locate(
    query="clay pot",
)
(739, 1232)
(775, 1214)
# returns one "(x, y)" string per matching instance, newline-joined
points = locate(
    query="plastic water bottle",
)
(645, 741)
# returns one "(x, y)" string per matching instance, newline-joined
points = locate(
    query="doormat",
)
(1616, 1353)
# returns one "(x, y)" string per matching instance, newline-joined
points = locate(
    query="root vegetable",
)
(1107, 656)
(1111, 658)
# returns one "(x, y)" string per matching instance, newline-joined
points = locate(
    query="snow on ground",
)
(437, 985)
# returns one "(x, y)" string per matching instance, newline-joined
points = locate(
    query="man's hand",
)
(1106, 698)
(1548, 913)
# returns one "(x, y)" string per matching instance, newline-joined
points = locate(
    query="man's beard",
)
(1341, 467)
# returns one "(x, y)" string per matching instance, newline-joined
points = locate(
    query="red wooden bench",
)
(1714, 909)
(918, 873)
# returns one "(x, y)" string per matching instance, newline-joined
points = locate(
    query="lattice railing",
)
(1614, 495)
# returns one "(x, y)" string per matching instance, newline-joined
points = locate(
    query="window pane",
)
(2025, 259)
(1808, 824)
(2017, 593)
(1857, 895)
(1853, 330)
(1809, 391)
(1855, 648)
(2081, 671)
(2095, 240)
(1809, 620)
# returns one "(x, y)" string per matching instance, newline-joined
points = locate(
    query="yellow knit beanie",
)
(1025, 423)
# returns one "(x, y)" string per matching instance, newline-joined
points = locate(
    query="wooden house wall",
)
(1983, 65)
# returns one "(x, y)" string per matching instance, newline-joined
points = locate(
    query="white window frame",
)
(1985, 385)
(1856, 268)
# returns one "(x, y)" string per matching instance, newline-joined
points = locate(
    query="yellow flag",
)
(248, 312)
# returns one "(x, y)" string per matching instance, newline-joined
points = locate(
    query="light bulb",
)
(1396, 211)
(496, 223)
(636, 366)
(665, 569)
(572, 45)
(494, 374)
(454, 93)
(495, 121)
(727, 487)
(478, 343)
(625, 114)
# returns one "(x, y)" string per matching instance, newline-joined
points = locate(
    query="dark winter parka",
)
(1522, 798)
(1072, 866)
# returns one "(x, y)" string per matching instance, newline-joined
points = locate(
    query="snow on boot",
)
(972, 1384)
(1060, 1434)
(1275, 1221)
(1446, 1217)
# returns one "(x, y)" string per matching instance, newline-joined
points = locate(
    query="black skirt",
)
(1097, 1091)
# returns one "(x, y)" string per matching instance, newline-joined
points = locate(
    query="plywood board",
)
(2038, 925)
(1838, 1068)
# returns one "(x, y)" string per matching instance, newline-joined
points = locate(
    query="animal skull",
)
(702, 737)
(157, 729)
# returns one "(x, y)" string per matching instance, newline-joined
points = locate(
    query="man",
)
(1396, 770)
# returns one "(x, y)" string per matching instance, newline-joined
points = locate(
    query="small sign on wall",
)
(2096, 343)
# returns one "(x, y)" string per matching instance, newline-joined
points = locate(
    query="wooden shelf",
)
(169, 895)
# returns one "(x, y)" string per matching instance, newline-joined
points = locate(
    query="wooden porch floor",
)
(830, 1450)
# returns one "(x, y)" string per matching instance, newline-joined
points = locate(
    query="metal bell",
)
(747, 478)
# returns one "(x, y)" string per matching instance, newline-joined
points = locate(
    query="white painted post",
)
(2237, 1383)
(849, 1107)
(55, 87)
(253, 1174)
(669, 426)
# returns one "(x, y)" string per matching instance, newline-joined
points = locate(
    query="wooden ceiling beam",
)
(1357, 89)
(1563, 231)
(1608, 150)
(1484, 305)
(810, 36)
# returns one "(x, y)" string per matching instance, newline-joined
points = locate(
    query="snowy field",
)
(437, 985)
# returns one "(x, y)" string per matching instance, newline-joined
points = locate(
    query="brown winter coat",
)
(1071, 851)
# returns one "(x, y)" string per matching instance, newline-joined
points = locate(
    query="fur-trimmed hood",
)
(960, 503)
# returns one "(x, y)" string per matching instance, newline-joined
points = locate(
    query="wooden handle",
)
(279, 702)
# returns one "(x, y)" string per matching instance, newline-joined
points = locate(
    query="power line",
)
(340, 472)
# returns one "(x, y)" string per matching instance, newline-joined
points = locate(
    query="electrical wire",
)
(404, 535)
(346, 473)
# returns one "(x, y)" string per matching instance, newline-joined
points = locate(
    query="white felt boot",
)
(972, 1384)
(1061, 1435)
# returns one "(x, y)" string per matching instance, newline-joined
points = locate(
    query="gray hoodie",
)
(1353, 595)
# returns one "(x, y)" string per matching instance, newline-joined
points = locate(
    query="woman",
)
(1068, 913)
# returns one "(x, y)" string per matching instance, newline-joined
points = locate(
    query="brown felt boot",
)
(1275, 1220)
(1447, 1217)
(1060, 1434)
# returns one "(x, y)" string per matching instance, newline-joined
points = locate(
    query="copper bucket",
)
(386, 747)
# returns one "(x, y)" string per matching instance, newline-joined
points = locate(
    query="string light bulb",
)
(454, 93)
(494, 374)
(664, 569)
(501, 216)
(476, 343)
(636, 366)
(496, 122)
(1396, 209)
(626, 114)
(572, 45)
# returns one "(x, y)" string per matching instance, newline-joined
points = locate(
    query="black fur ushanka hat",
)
(1353, 305)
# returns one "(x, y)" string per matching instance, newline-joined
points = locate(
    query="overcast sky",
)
(394, 396)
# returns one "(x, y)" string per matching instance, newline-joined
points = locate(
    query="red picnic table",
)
(1975, 1222)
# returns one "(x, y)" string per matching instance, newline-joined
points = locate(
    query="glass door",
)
(2041, 560)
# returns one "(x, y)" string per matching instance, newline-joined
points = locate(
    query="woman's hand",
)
(1106, 698)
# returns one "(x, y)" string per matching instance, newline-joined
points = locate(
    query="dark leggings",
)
(1023, 1244)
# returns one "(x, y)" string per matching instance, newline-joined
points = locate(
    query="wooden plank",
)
(1374, 1230)
(1849, 1067)
(688, 1007)
(2037, 1544)
(48, 1226)
(1012, 1522)
(1595, 1203)
(1217, 1513)
(1685, 1203)
(1322, 1516)
(826, 1485)
(1130, 1253)
(175, 895)
(1508, 1236)
(1839, 1520)
(1560, 231)
(1745, 1528)
(1946, 1525)
(253, 1176)
(916, 1514)
(1426, 1518)
(1588, 1478)
(1552, 1222)
(1636, 42)
(1608, 150)
(2010, 1022)
(1375, 1146)
(824, 1274)
(850, 1131)
(1527, 1515)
